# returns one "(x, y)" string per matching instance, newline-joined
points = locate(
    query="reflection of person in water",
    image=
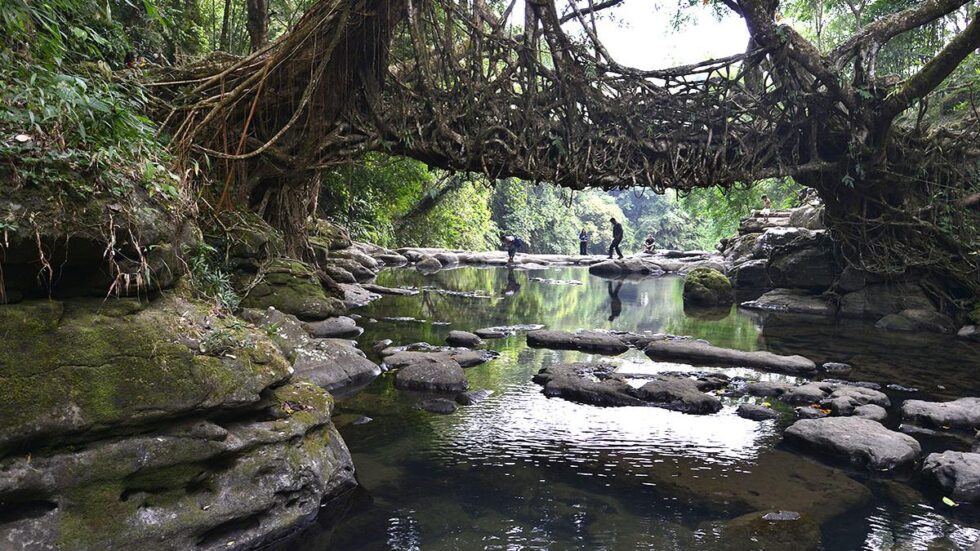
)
(512, 285)
(615, 305)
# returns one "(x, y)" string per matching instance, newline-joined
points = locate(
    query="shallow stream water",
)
(522, 471)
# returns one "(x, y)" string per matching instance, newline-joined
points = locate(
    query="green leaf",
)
(950, 502)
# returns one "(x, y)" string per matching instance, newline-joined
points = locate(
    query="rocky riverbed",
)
(157, 420)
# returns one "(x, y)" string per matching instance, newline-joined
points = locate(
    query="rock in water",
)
(437, 405)
(463, 338)
(861, 442)
(871, 411)
(844, 399)
(708, 287)
(426, 371)
(506, 330)
(792, 301)
(334, 364)
(341, 326)
(756, 412)
(589, 341)
(629, 265)
(837, 368)
(428, 264)
(963, 413)
(705, 354)
(678, 394)
(956, 472)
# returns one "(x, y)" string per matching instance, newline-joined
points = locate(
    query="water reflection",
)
(522, 471)
(615, 305)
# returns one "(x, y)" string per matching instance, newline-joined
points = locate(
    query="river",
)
(522, 471)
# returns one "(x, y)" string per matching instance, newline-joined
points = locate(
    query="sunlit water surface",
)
(522, 471)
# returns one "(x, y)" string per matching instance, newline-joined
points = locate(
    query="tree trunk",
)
(258, 23)
(225, 41)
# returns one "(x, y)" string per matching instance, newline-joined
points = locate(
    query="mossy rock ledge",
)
(707, 287)
(135, 425)
(295, 288)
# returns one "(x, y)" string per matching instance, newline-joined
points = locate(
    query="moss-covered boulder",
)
(328, 236)
(161, 425)
(194, 484)
(292, 287)
(708, 287)
(84, 365)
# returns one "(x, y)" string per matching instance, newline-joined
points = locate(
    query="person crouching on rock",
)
(649, 245)
(617, 238)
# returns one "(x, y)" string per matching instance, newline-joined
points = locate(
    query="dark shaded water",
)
(520, 471)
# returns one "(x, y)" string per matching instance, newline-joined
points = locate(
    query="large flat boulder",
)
(963, 413)
(678, 394)
(427, 372)
(338, 327)
(701, 353)
(463, 338)
(600, 385)
(588, 341)
(175, 428)
(356, 296)
(861, 442)
(587, 384)
(792, 301)
(334, 364)
(84, 365)
(956, 472)
(501, 331)
(625, 266)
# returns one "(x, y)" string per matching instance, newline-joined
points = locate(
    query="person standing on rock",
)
(617, 238)
(583, 242)
(766, 207)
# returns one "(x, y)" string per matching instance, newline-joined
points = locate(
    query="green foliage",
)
(208, 280)
(718, 211)
(67, 119)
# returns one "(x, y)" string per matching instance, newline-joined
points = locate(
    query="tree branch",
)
(933, 74)
(586, 11)
(886, 28)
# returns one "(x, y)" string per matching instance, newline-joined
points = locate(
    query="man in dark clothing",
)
(583, 242)
(617, 238)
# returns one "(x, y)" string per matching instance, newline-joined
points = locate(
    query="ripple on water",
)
(521, 424)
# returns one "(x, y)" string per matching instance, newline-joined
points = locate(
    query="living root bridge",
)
(458, 85)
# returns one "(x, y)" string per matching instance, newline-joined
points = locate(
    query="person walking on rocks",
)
(583, 242)
(617, 238)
